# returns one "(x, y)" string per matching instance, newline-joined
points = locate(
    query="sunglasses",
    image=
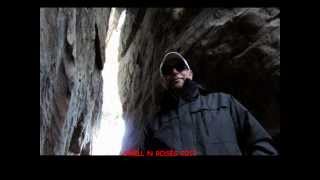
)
(179, 66)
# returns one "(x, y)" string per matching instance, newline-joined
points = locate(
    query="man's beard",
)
(177, 83)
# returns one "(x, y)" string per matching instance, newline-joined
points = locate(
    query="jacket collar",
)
(190, 92)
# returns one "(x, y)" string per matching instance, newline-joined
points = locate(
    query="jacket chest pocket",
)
(216, 124)
(165, 130)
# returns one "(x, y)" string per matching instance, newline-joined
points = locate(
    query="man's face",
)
(175, 74)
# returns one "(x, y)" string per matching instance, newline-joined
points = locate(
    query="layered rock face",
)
(72, 46)
(233, 50)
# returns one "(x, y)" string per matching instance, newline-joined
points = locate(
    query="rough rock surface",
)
(72, 43)
(234, 50)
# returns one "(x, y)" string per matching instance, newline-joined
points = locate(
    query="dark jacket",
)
(208, 123)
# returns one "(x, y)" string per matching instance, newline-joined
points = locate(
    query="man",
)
(192, 119)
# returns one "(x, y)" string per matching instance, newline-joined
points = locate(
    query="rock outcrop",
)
(72, 46)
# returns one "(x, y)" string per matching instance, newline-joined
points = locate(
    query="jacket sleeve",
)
(253, 139)
(147, 136)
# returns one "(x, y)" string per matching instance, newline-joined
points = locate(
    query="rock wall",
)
(234, 50)
(72, 46)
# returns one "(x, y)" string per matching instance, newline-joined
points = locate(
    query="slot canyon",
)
(231, 50)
